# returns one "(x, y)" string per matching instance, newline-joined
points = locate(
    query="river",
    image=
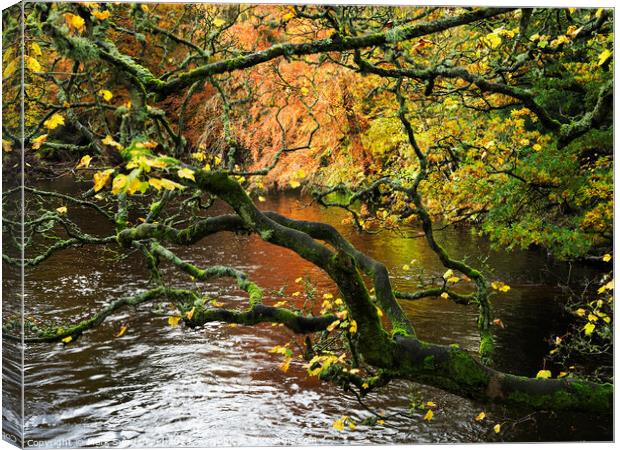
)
(219, 386)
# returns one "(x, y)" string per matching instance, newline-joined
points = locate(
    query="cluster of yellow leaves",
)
(500, 286)
(101, 15)
(320, 363)
(344, 421)
(287, 353)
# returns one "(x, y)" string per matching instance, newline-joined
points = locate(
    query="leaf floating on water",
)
(122, 331)
(67, 339)
(62, 210)
(607, 257)
(497, 428)
(428, 416)
(431, 404)
(543, 374)
(480, 417)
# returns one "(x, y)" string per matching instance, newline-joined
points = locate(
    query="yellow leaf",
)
(62, 210)
(580, 312)
(84, 162)
(448, 274)
(36, 49)
(186, 173)
(428, 416)
(304, 91)
(493, 40)
(604, 56)
(67, 339)
(11, 68)
(199, 156)
(119, 183)
(189, 314)
(430, 404)
(497, 428)
(37, 142)
(589, 328)
(299, 280)
(445, 295)
(32, 64)
(406, 267)
(380, 422)
(101, 15)
(353, 327)
(562, 374)
(53, 122)
(453, 280)
(285, 364)
(328, 296)
(338, 425)
(544, 374)
(592, 318)
(108, 140)
(537, 147)
(169, 184)
(100, 179)
(107, 95)
(606, 257)
(379, 312)
(173, 321)
(144, 8)
(365, 386)
(288, 16)
(75, 22)
(332, 326)
(480, 417)
(122, 331)
(219, 22)
(599, 13)
(295, 184)
(300, 174)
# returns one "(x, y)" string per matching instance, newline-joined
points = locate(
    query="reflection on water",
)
(218, 386)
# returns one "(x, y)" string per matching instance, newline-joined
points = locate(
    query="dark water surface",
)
(218, 386)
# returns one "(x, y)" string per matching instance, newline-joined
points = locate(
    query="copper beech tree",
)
(166, 108)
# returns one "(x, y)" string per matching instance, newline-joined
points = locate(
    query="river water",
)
(219, 386)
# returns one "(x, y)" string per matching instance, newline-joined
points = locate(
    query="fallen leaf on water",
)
(428, 416)
(122, 331)
(480, 417)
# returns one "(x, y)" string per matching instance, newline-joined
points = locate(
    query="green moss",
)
(429, 362)
(466, 370)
